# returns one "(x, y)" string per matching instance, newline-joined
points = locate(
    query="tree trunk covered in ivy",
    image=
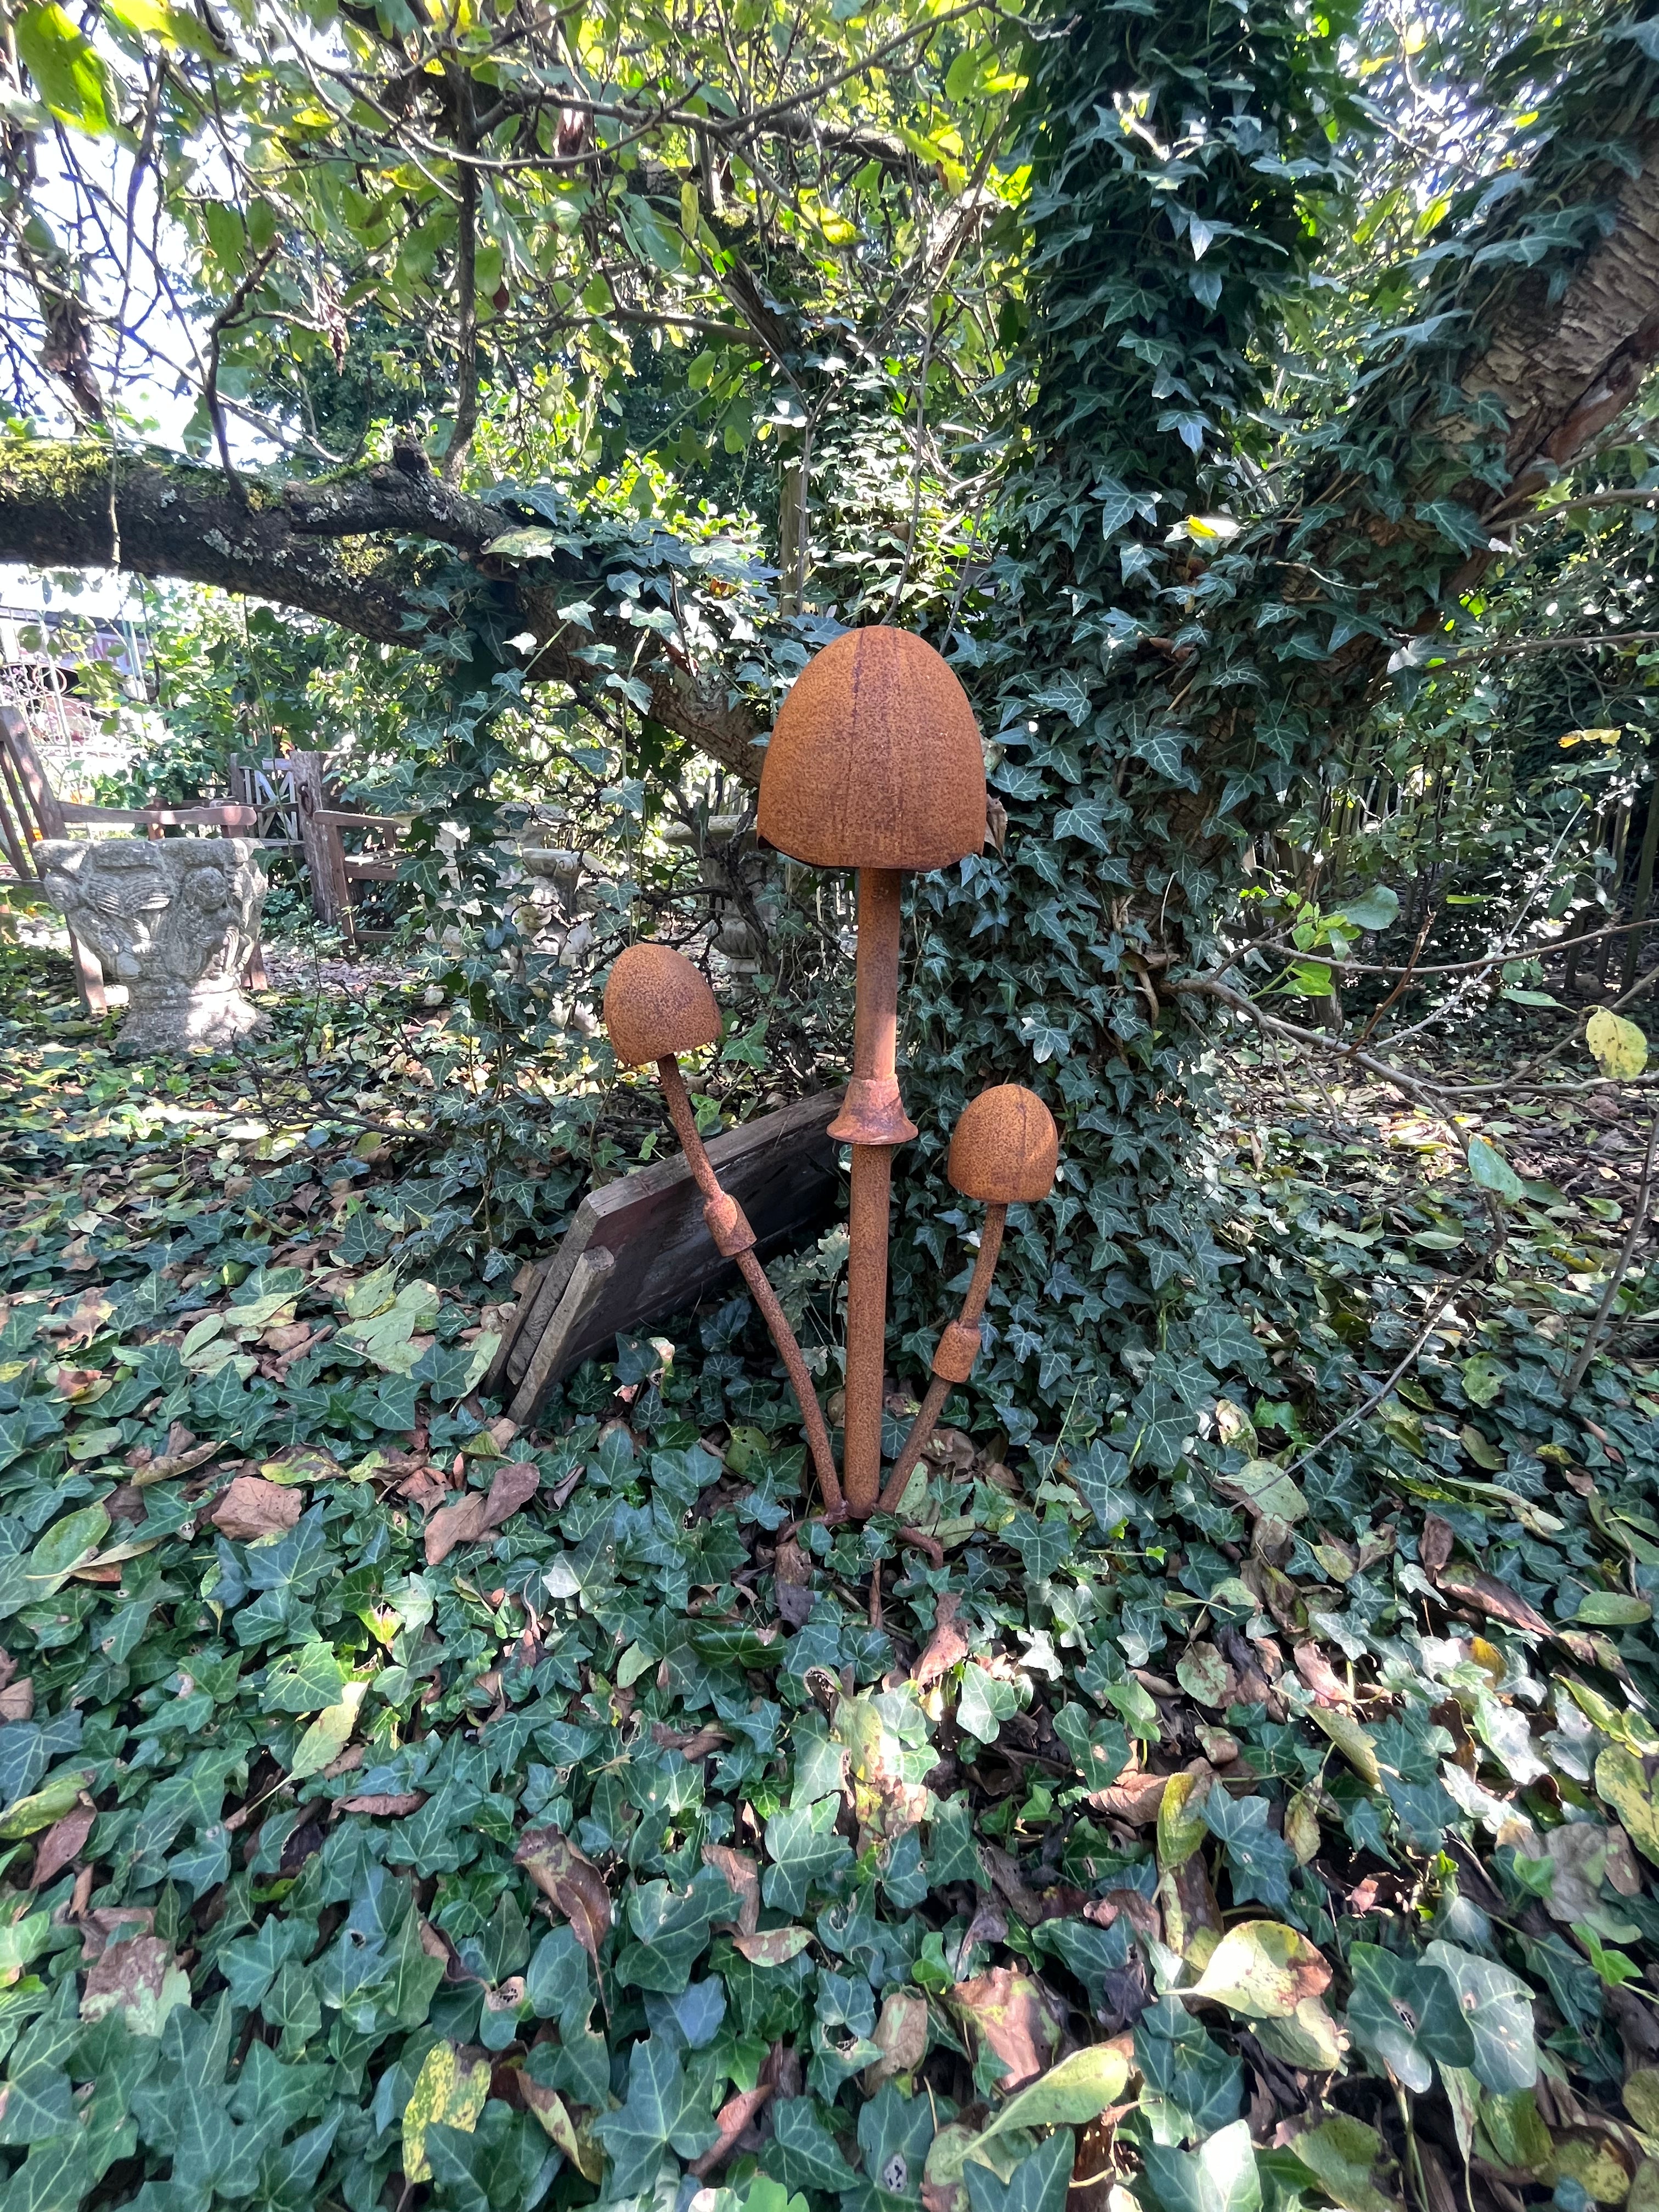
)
(1176, 642)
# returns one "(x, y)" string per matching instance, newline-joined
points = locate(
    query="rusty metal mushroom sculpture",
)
(658, 1006)
(874, 764)
(1004, 1151)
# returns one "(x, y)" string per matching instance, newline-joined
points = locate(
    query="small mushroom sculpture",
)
(875, 764)
(1004, 1151)
(658, 1006)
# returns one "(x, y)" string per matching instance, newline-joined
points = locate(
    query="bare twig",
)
(221, 322)
(1410, 1354)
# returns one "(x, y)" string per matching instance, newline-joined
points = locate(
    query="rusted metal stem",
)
(873, 1123)
(962, 1337)
(725, 1209)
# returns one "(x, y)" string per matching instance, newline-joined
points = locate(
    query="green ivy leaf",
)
(1220, 2176)
(1406, 2013)
(1498, 2007)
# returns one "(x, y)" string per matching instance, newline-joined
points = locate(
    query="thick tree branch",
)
(337, 549)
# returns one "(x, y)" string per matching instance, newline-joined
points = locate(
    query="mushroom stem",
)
(873, 1121)
(957, 1350)
(723, 1209)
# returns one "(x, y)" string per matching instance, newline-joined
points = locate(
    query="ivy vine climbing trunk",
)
(1179, 638)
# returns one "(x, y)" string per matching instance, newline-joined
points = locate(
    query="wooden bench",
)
(31, 812)
(346, 870)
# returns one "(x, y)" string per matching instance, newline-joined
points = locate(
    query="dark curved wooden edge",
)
(639, 1249)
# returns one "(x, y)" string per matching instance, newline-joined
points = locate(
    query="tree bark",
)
(331, 547)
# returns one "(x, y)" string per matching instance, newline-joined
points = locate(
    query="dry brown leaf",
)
(1134, 1798)
(17, 1702)
(252, 1508)
(1621, 1868)
(901, 2032)
(773, 1947)
(792, 1582)
(382, 1805)
(1192, 1919)
(690, 1743)
(515, 1485)
(61, 1845)
(138, 1981)
(1141, 1912)
(180, 1462)
(742, 1877)
(1434, 1545)
(1495, 1598)
(460, 1523)
(946, 1648)
(1013, 2015)
(1316, 1671)
(733, 2117)
(97, 1926)
(572, 1883)
(474, 1515)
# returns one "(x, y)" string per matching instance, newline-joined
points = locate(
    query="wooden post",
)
(314, 837)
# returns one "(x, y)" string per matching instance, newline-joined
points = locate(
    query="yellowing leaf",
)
(1620, 1783)
(1591, 2160)
(30, 1814)
(1309, 2039)
(1302, 1827)
(68, 72)
(1265, 1490)
(445, 2094)
(1345, 2154)
(328, 1734)
(1620, 1049)
(1181, 1824)
(1353, 1741)
(1641, 2095)
(1263, 1970)
(1078, 2089)
(174, 27)
(530, 544)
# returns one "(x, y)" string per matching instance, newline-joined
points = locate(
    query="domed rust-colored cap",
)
(1005, 1148)
(657, 1005)
(875, 761)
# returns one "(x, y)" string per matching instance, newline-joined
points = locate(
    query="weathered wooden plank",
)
(660, 1258)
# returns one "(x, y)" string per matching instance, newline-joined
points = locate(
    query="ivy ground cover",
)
(1185, 1815)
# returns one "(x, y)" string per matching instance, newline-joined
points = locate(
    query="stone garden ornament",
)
(875, 764)
(175, 918)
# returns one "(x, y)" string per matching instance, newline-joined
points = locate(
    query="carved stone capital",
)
(174, 919)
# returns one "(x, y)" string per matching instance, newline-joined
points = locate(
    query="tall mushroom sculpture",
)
(874, 764)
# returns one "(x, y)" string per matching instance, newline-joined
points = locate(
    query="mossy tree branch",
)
(363, 550)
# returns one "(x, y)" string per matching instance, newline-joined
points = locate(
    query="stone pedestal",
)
(172, 918)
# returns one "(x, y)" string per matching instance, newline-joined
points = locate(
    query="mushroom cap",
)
(657, 1006)
(875, 759)
(1005, 1148)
